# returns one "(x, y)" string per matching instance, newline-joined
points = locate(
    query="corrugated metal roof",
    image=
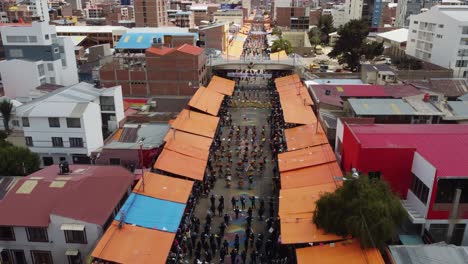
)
(459, 108)
(136, 40)
(429, 254)
(381, 107)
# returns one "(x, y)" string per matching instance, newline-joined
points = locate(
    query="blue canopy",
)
(145, 40)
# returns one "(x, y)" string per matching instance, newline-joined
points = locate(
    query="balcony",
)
(414, 216)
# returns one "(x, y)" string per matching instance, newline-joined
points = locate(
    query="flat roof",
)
(444, 146)
(89, 29)
(459, 108)
(139, 40)
(130, 136)
(381, 107)
(398, 35)
(430, 254)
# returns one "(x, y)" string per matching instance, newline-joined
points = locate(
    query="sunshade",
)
(319, 174)
(179, 164)
(164, 187)
(306, 157)
(221, 85)
(299, 229)
(305, 136)
(196, 123)
(302, 200)
(207, 101)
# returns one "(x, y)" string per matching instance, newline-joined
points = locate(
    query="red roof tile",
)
(444, 146)
(193, 50)
(160, 51)
(89, 194)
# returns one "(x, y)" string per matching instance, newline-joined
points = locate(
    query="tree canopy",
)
(314, 36)
(277, 31)
(5, 109)
(352, 45)
(364, 208)
(325, 26)
(16, 161)
(281, 44)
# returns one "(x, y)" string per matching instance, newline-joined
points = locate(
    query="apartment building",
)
(440, 36)
(235, 16)
(39, 54)
(150, 13)
(69, 123)
(203, 12)
(214, 36)
(184, 19)
(57, 216)
(406, 8)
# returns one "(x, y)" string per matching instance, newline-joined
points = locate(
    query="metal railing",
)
(292, 60)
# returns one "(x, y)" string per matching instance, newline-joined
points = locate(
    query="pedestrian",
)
(225, 244)
(233, 255)
(260, 213)
(222, 254)
(236, 242)
(262, 203)
(208, 256)
(253, 257)
(226, 219)
(249, 221)
(206, 246)
(221, 201)
(242, 200)
(208, 218)
(244, 256)
(272, 212)
(233, 202)
(252, 202)
(220, 210)
(213, 247)
(212, 200)
(237, 211)
(249, 212)
(212, 209)
(222, 228)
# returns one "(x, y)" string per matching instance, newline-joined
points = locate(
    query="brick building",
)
(150, 13)
(161, 71)
(214, 36)
(292, 17)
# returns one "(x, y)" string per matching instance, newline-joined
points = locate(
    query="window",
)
(50, 66)
(37, 234)
(43, 81)
(464, 41)
(25, 121)
(56, 50)
(462, 52)
(52, 80)
(47, 161)
(5, 257)
(54, 122)
(415, 22)
(446, 190)
(75, 259)
(77, 237)
(16, 53)
(441, 26)
(41, 69)
(41, 257)
(18, 39)
(7, 233)
(57, 142)
(29, 141)
(76, 142)
(439, 36)
(414, 31)
(46, 36)
(73, 123)
(114, 161)
(465, 30)
(461, 63)
(18, 256)
(32, 39)
(420, 189)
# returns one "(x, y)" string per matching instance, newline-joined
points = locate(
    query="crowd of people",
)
(256, 44)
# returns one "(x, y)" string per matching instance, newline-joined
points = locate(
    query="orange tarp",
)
(221, 85)
(301, 200)
(185, 138)
(320, 174)
(188, 150)
(196, 123)
(290, 79)
(280, 55)
(300, 229)
(298, 113)
(117, 135)
(306, 157)
(207, 101)
(289, 86)
(305, 136)
(180, 164)
(132, 244)
(301, 92)
(341, 252)
(164, 187)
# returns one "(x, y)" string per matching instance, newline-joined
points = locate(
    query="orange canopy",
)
(319, 174)
(305, 136)
(164, 187)
(222, 85)
(297, 113)
(302, 200)
(280, 55)
(180, 164)
(300, 92)
(132, 244)
(290, 79)
(338, 253)
(188, 150)
(207, 101)
(299, 228)
(185, 138)
(306, 157)
(196, 123)
(289, 86)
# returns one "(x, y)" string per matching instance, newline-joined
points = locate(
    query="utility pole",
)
(453, 215)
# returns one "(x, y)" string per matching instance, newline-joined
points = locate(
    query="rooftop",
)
(89, 29)
(444, 146)
(337, 92)
(62, 195)
(381, 107)
(139, 40)
(453, 87)
(128, 137)
(430, 254)
(188, 49)
(398, 35)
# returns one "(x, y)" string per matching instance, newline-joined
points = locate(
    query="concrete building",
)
(40, 9)
(394, 42)
(338, 12)
(235, 16)
(184, 19)
(51, 217)
(150, 13)
(292, 17)
(406, 8)
(68, 124)
(95, 35)
(440, 36)
(353, 9)
(214, 36)
(424, 164)
(247, 4)
(38, 53)
(203, 13)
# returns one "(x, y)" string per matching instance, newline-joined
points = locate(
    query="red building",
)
(424, 164)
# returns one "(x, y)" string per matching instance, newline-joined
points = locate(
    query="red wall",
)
(393, 163)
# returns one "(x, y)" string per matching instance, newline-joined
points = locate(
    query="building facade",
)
(440, 36)
(406, 8)
(150, 13)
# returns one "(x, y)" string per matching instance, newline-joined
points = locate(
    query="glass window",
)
(37, 234)
(19, 39)
(41, 257)
(419, 189)
(76, 142)
(77, 237)
(441, 26)
(73, 123)
(52, 80)
(114, 161)
(57, 142)
(41, 69)
(461, 63)
(46, 36)
(16, 53)
(25, 121)
(54, 122)
(18, 256)
(465, 30)
(50, 66)
(32, 39)
(464, 41)
(7, 233)
(29, 141)
(75, 259)
(446, 190)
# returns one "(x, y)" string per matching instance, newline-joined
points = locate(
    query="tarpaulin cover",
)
(302, 200)
(181, 164)
(280, 55)
(338, 253)
(306, 157)
(300, 229)
(196, 123)
(164, 187)
(305, 136)
(207, 101)
(189, 139)
(187, 149)
(300, 92)
(319, 174)
(132, 244)
(221, 85)
(290, 79)
(152, 213)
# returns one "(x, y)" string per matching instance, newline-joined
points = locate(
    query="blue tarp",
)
(145, 40)
(151, 213)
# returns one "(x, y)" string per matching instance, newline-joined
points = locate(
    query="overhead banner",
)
(243, 74)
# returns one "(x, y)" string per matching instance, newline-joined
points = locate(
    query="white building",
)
(353, 9)
(440, 36)
(235, 16)
(40, 8)
(36, 52)
(68, 124)
(49, 217)
(247, 4)
(338, 12)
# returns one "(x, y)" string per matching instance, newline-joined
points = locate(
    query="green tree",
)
(372, 49)
(314, 36)
(5, 109)
(17, 161)
(281, 44)
(364, 208)
(325, 25)
(349, 47)
(277, 31)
